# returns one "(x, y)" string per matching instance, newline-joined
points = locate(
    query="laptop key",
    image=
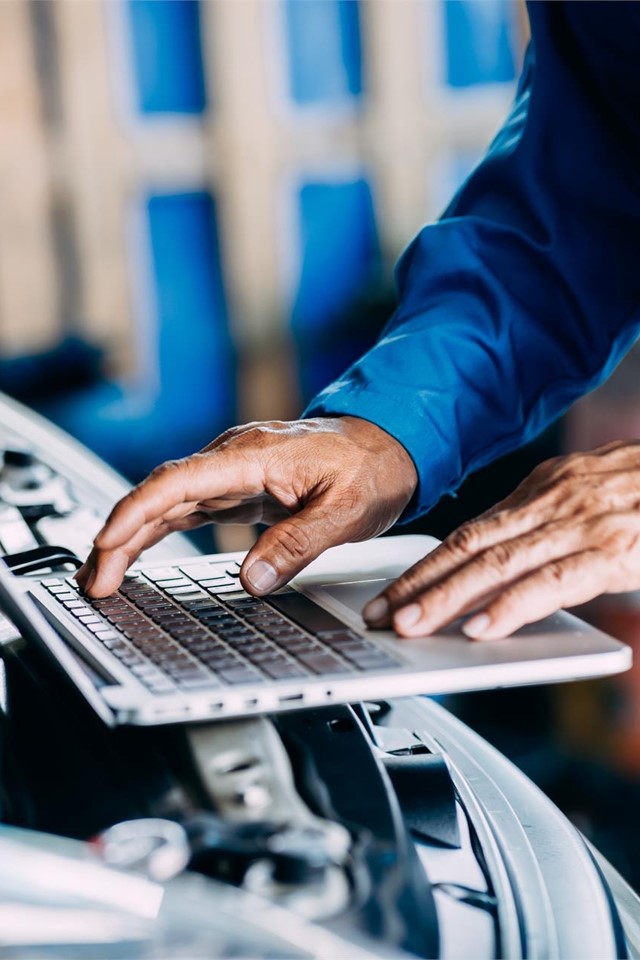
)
(119, 650)
(208, 682)
(334, 638)
(159, 686)
(375, 660)
(282, 670)
(146, 669)
(131, 658)
(240, 675)
(219, 589)
(219, 659)
(148, 639)
(199, 604)
(324, 663)
(221, 581)
(163, 573)
(204, 571)
(125, 616)
(212, 613)
(259, 655)
(190, 590)
(179, 671)
(115, 643)
(237, 632)
(297, 647)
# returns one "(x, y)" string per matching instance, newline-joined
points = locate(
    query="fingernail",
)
(88, 583)
(408, 616)
(376, 609)
(262, 576)
(477, 626)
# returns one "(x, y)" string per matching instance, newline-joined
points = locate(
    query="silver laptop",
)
(185, 643)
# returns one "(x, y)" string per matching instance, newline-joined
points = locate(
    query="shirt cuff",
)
(417, 436)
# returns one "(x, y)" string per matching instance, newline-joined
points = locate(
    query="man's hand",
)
(570, 532)
(320, 482)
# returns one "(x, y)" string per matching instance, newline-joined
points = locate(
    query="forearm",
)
(523, 297)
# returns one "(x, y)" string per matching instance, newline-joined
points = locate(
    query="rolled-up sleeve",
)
(526, 293)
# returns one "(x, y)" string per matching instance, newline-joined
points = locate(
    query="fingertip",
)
(376, 611)
(82, 574)
(407, 620)
(484, 627)
(89, 582)
(476, 627)
(106, 576)
(260, 577)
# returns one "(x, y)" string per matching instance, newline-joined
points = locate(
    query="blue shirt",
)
(526, 293)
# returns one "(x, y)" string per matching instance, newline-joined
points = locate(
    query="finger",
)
(564, 582)
(105, 569)
(285, 549)
(468, 585)
(85, 574)
(178, 482)
(463, 545)
(265, 511)
(105, 573)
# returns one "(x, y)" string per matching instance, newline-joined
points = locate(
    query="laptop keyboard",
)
(193, 628)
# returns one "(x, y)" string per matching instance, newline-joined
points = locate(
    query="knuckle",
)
(411, 582)
(164, 470)
(614, 534)
(420, 573)
(294, 540)
(499, 557)
(404, 587)
(611, 449)
(555, 573)
(464, 539)
(574, 464)
(227, 435)
(548, 468)
(564, 487)
(252, 435)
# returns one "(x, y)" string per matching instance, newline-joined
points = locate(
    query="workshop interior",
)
(202, 203)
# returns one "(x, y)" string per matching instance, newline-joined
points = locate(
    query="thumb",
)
(285, 549)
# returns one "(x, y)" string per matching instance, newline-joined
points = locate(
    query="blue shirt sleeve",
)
(526, 293)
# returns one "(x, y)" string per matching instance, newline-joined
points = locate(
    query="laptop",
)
(184, 642)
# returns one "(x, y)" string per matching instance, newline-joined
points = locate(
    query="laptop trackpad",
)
(354, 595)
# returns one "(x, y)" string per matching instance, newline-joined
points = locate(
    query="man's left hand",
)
(568, 533)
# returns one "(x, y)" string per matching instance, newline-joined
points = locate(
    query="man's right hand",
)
(320, 483)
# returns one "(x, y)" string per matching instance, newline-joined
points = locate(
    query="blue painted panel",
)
(167, 56)
(127, 425)
(325, 56)
(479, 45)
(197, 372)
(340, 258)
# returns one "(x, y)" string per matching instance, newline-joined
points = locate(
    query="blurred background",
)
(200, 208)
(202, 201)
